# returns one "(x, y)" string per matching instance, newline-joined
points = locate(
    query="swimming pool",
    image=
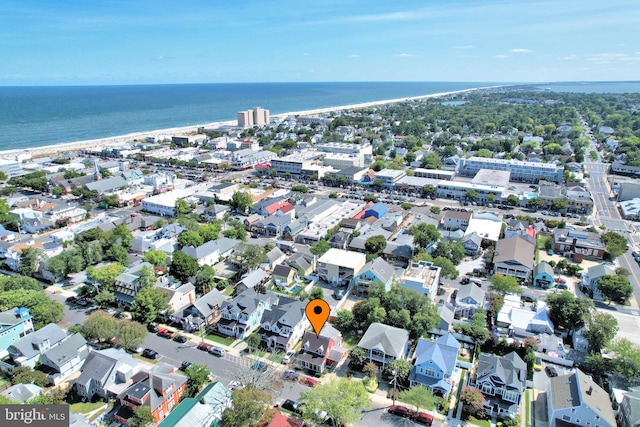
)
(294, 289)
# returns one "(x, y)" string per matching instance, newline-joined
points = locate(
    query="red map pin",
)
(317, 311)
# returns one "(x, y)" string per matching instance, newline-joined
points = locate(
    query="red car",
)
(423, 418)
(560, 280)
(164, 333)
(399, 410)
(308, 381)
(204, 347)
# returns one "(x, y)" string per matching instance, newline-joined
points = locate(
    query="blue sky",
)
(45, 42)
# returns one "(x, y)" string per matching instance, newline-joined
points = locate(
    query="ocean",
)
(39, 116)
(33, 117)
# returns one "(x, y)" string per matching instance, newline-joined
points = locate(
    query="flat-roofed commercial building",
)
(390, 177)
(520, 170)
(434, 174)
(339, 266)
(458, 190)
(422, 277)
(164, 204)
(295, 163)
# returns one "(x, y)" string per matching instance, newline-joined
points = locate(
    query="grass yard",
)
(219, 339)
(527, 408)
(85, 407)
(276, 357)
(228, 290)
(481, 423)
(138, 356)
(351, 339)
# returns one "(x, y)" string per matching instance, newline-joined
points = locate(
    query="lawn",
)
(527, 408)
(228, 290)
(85, 407)
(481, 423)
(351, 339)
(219, 339)
(276, 357)
(153, 361)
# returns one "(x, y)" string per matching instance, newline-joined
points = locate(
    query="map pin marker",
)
(317, 311)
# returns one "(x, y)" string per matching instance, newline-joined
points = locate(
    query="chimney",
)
(590, 390)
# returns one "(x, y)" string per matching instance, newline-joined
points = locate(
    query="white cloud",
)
(468, 46)
(354, 55)
(501, 56)
(404, 55)
(520, 50)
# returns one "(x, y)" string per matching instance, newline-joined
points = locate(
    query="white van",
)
(217, 351)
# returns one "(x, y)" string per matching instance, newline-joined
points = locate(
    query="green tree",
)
(424, 234)
(559, 204)
(105, 276)
(431, 161)
(357, 357)
(316, 293)
(148, 303)
(205, 279)
(601, 328)
(420, 397)
(615, 287)
(147, 277)
(241, 201)
(26, 375)
(252, 256)
(626, 358)
(477, 328)
(615, 244)
(435, 210)
(513, 200)
(183, 266)
(471, 194)
(472, 399)
(343, 321)
(182, 207)
(155, 257)
(29, 258)
(449, 270)
(118, 254)
(320, 247)
(197, 376)
(105, 299)
(190, 238)
(235, 230)
(342, 399)
(505, 284)
(253, 341)
(496, 302)
(249, 407)
(130, 334)
(141, 417)
(568, 311)
(375, 245)
(100, 326)
(401, 367)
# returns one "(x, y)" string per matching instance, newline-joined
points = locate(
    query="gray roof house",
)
(251, 280)
(515, 257)
(283, 326)
(470, 298)
(127, 286)
(502, 381)
(472, 243)
(383, 343)
(22, 392)
(107, 185)
(434, 364)
(575, 399)
(65, 359)
(629, 413)
(204, 310)
(447, 314)
(107, 372)
(29, 349)
(592, 275)
(274, 256)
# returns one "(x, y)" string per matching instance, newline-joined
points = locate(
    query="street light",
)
(395, 378)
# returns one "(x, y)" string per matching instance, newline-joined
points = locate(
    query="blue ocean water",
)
(38, 116)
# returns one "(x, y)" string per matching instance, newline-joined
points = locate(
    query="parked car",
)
(292, 405)
(308, 381)
(165, 333)
(537, 365)
(180, 338)
(152, 328)
(454, 294)
(82, 302)
(290, 375)
(204, 347)
(527, 298)
(338, 293)
(185, 365)
(288, 357)
(551, 371)
(562, 286)
(560, 280)
(422, 418)
(150, 354)
(217, 351)
(401, 411)
(71, 300)
(259, 366)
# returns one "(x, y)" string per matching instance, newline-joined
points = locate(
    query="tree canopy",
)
(342, 399)
(615, 287)
(568, 311)
(505, 284)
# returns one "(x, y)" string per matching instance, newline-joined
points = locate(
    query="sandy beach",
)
(49, 150)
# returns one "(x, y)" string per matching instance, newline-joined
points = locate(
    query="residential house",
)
(105, 373)
(274, 257)
(446, 312)
(271, 226)
(181, 296)
(214, 212)
(283, 275)
(207, 407)
(13, 253)
(160, 391)
(551, 345)
(434, 364)
(65, 359)
(205, 311)
(579, 200)
(252, 280)
(455, 220)
(322, 350)
(284, 325)
(339, 267)
(28, 350)
(515, 257)
(127, 285)
(579, 342)
(375, 272)
(22, 392)
(384, 344)
(591, 277)
(243, 315)
(524, 321)
(576, 400)
(107, 185)
(515, 227)
(543, 276)
(469, 299)
(472, 243)
(304, 264)
(502, 382)
(15, 324)
(295, 227)
(578, 243)
(629, 413)
(209, 253)
(422, 277)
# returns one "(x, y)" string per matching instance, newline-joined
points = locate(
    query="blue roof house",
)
(376, 210)
(14, 324)
(543, 276)
(377, 271)
(434, 364)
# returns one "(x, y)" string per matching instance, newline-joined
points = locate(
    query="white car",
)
(288, 357)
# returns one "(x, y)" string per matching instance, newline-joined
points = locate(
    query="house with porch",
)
(434, 364)
(515, 257)
(127, 285)
(591, 277)
(543, 276)
(320, 351)
(469, 299)
(383, 344)
(205, 311)
(284, 324)
(65, 359)
(15, 324)
(378, 272)
(243, 314)
(283, 275)
(29, 349)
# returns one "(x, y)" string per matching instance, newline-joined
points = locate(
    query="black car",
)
(71, 300)
(180, 338)
(185, 365)
(118, 315)
(551, 371)
(292, 405)
(152, 328)
(454, 294)
(150, 354)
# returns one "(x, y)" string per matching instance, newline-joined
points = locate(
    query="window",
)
(511, 396)
(573, 410)
(430, 372)
(487, 388)
(566, 417)
(577, 420)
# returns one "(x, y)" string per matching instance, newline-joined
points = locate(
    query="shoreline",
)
(183, 130)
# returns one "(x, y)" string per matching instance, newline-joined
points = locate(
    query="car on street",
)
(185, 365)
(560, 280)
(152, 328)
(71, 300)
(399, 410)
(308, 381)
(551, 371)
(259, 366)
(562, 286)
(422, 418)
(82, 302)
(217, 351)
(288, 357)
(634, 253)
(165, 333)
(118, 315)
(290, 375)
(338, 293)
(454, 294)
(537, 365)
(149, 354)
(204, 347)
(291, 405)
(180, 338)
(235, 385)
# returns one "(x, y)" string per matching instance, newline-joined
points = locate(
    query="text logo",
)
(34, 415)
